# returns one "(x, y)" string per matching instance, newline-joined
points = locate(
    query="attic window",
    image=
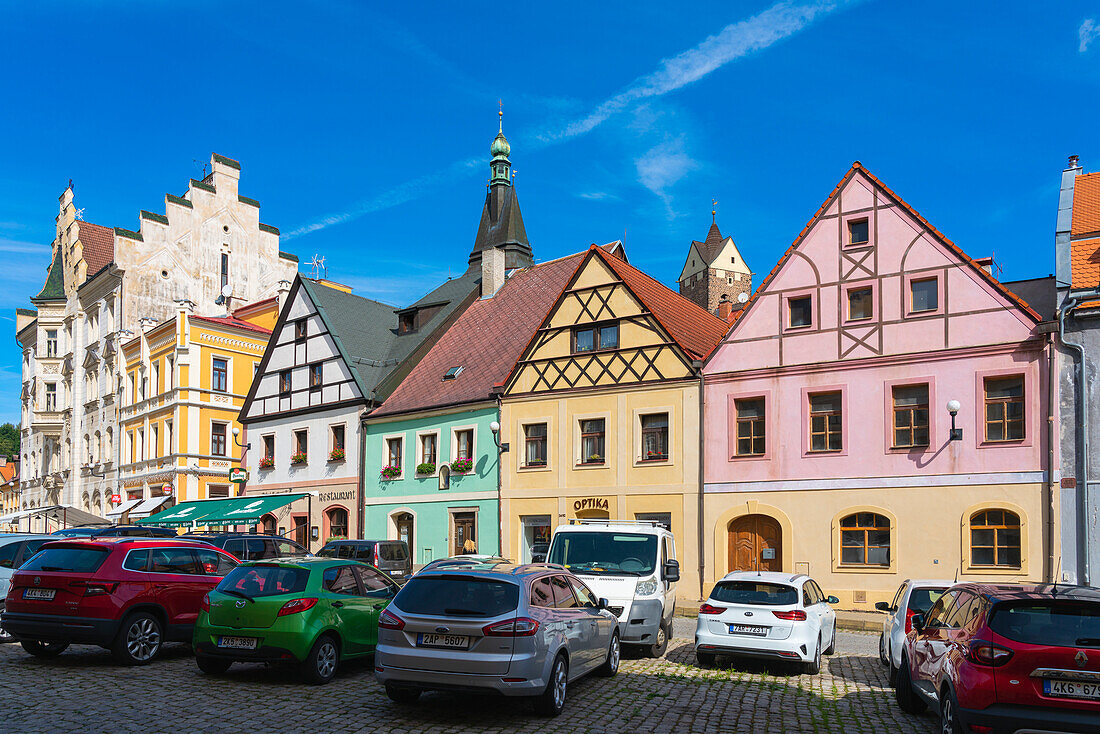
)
(452, 373)
(406, 322)
(858, 232)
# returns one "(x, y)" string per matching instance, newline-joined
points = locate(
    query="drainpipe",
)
(702, 447)
(1052, 573)
(1082, 459)
(360, 504)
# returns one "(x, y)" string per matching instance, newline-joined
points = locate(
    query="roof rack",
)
(585, 521)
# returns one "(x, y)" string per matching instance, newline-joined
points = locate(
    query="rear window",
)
(457, 596)
(754, 592)
(1055, 623)
(256, 581)
(76, 560)
(921, 600)
(392, 552)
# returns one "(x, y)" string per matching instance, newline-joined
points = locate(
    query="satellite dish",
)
(742, 297)
(227, 290)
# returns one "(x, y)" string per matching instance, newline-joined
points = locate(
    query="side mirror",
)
(603, 603)
(883, 606)
(833, 600)
(918, 622)
(672, 571)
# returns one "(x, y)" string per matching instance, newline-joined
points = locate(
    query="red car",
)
(1006, 657)
(130, 595)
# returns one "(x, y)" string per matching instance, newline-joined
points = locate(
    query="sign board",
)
(768, 554)
(167, 489)
(591, 503)
(238, 476)
(116, 498)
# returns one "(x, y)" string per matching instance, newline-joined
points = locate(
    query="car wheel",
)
(949, 713)
(212, 666)
(41, 649)
(402, 695)
(139, 641)
(319, 666)
(657, 649)
(552, 700)
(832, 643)
(908, 699)
(814, 666)
(705, 659)
(614, 655)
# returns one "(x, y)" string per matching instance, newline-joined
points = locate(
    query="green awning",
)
(233, 511)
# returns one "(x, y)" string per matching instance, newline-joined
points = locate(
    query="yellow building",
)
(186, 379)
(602, 411)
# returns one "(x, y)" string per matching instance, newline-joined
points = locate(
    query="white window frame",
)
(472, 428)
(386, 453)
(420, 451)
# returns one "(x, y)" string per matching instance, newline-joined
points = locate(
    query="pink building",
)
(827, 427)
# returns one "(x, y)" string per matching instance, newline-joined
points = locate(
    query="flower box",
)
(391, 472)
(299, 458)
(425, 469)
(267, 462)
(336, 455)
(462, 466)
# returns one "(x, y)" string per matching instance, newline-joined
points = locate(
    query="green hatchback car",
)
(312, 612)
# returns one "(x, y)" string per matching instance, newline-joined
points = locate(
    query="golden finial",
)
(500, 115)
(713, 210)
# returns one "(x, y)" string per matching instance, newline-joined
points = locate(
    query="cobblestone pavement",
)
(82, 690)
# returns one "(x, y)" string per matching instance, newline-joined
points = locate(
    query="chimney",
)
(725, 307)
(985, 263)
(1063, 271)
(282, 289)
(492, 271)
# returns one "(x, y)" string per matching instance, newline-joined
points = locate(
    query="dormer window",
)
(452, 373)
(406, 322)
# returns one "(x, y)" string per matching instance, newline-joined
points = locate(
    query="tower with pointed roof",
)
(714, 272)
(501, 221)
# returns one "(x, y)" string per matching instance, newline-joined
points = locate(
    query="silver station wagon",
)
(495, 627)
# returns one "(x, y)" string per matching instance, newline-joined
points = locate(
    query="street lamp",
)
(495, 428)
(237, 432)
(953, 407)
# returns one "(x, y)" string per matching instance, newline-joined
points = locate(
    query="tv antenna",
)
(318, 266)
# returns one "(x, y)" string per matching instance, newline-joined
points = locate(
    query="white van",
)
(631, 564)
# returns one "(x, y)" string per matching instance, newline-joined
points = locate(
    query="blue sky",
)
(364, 131)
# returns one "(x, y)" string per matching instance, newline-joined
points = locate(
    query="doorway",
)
(465, 534)
(755, 544)
(301, 530)
(536, 538)
(403, 524)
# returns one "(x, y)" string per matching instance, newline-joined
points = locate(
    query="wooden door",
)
(755, 543)
(464, 531)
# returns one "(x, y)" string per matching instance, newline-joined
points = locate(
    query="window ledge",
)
(592, 465)
(749, 457)
(1009, 442)
(908, 449)
(652, 462)
(806, 327)
(891, 569)
(994, 570)
(533, 467)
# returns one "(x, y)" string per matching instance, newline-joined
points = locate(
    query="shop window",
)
(910, 416)
(799, 312)
(655, 437)
(826, 422)
(859, 231)
(865, 540)
(924, 295)
(592, 441)
(750, 426)
(860, 304)
(534, 437)
(995, 539)
(337, 523)
(1004, 408)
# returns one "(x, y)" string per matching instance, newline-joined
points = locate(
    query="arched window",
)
(865, 540)
(995, 539)
(337, 522)
(268, 522)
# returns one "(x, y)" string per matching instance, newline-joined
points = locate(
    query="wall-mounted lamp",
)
(953, 407)
(495, 428)
(237, 432)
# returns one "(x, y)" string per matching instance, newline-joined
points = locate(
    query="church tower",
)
(715, 276)
(501, 222)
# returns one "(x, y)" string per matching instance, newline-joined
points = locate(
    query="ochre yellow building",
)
(186, 379)
(602, 411)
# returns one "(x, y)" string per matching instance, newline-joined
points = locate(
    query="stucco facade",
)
(828, 440)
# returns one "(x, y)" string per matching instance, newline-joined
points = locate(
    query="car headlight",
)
(647, 587)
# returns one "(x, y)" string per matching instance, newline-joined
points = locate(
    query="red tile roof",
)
(695, 329)
(1086, 204)
(857, 166)
(232, 321)
(485, 341)
(99, 245)
(255, 305)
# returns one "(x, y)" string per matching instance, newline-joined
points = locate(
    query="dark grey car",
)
(516, 630)
(391, 556)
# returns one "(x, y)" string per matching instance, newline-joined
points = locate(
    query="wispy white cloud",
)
(597, 195)
(1088, 32)
(24, 247)
(662, 166)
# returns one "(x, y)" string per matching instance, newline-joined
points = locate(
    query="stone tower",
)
(715, 273)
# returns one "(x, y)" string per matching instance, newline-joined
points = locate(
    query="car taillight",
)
(95, 588)
(389, 621)
(795, 615)
(710, 609)
(205, 603)
(909, 614)
(981, 652)
(518, 627)
(297, 605)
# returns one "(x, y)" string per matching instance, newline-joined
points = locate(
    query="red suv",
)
(1006, 657)
(129, 595)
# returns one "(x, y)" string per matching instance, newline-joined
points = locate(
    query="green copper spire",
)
(500, 166)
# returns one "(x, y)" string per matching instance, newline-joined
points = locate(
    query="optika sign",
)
(591, 503)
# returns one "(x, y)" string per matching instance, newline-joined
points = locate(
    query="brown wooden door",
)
(464, 532)
(752, 538)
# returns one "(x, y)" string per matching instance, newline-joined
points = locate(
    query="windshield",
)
(605, 553)
(254, 581)
(921, 600)
(76, 560)
(1053, 623)
(457, 596)
(754, 592)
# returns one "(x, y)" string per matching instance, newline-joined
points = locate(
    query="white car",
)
(914, 596)
(14, 549)
(776, 616)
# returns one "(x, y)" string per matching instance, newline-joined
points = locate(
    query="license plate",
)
(238, 643)
(748, 629)
(44, 594)
(457, 642)
(1071, 689)
(397, 573)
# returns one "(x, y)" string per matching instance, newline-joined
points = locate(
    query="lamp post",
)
(237, 432)
(953, 407)
(501, 448)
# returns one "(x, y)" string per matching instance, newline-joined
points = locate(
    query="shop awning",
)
(233, 511)
(124, 507)
(145, 508)
(71, 516)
